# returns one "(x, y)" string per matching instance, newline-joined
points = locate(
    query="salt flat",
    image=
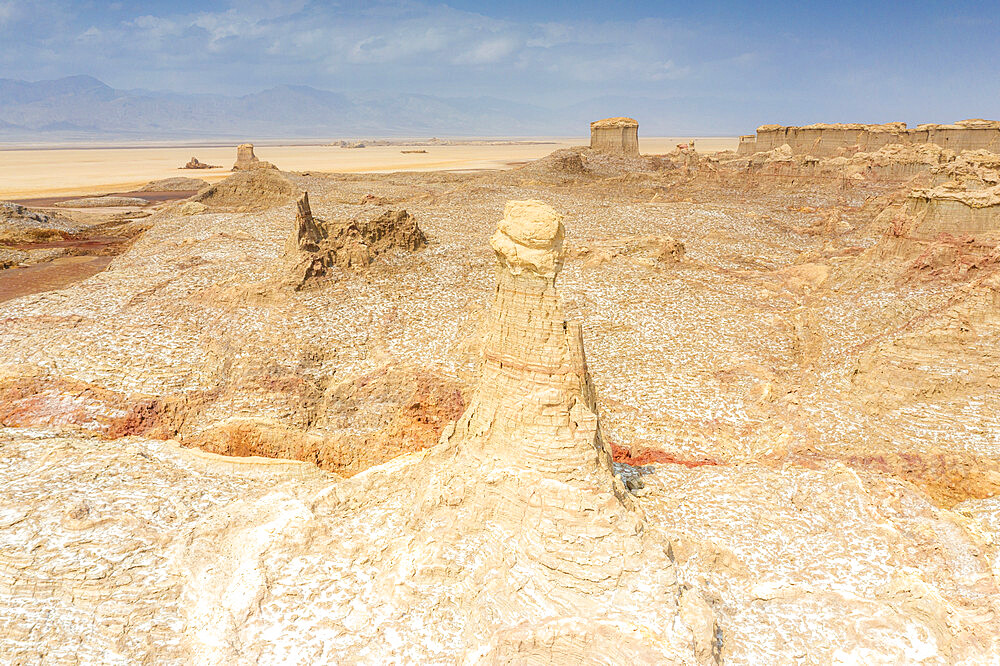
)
(40, 171)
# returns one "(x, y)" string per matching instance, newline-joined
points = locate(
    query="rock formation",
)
(945, 354)
(893, 162)
(245, 159)
(650, 251)
(949, 230)
(192, 208)
(102, 202)
(535, 405)
(253, 189)
(315, 246)
(615, 135)
(523, 482)
(827, 140)
(780, 513)
(195, 163)
(19, 224)
(306, 236)
(179, 184)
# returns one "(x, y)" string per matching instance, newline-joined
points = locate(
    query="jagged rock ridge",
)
(315, 246)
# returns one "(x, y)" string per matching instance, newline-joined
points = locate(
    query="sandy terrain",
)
(50, 172)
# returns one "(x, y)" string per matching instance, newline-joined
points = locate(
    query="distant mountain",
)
(84, 108)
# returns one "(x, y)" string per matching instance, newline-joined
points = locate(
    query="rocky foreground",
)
(781, 445)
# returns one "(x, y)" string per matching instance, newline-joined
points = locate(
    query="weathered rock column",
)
(615, 135)
(535, 403)
(527, 455)
(245, 159)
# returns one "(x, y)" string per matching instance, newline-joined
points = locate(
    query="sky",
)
(701, 65)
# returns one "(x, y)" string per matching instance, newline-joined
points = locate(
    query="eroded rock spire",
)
(527, 454)
(535, 404)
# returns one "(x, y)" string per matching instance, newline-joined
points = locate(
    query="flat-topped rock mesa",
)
(249, 190)
(195, 163)
(245, 159)
(315, 245)
(827, 140)
(615, 135)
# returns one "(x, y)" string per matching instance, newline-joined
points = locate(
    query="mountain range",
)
(82, 108)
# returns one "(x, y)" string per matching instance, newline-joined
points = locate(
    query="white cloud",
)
(8, 11)
(399, 44)
(489, 51)
(91, 34)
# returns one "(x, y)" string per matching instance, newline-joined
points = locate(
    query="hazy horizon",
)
(719, 69)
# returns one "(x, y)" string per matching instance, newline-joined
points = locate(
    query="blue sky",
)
(704, 65)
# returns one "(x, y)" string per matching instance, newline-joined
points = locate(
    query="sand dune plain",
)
(53, 171)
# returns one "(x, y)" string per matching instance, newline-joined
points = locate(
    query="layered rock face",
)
(948, 232)
(826, 140)
(615, 135)
(315, 246)
(952, 227)
(891, 162)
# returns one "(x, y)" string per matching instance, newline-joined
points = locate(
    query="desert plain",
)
(30, 172)
(524, 403)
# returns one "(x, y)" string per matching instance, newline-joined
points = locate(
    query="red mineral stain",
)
(622, 454)
(50, 275)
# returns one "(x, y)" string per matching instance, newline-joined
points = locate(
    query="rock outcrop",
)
(615, 135)
(526, 476)
(19, 224)
(535, 405)
(245, 159)
(893, 162)
(315, 246)
(650, 251)
(195, 163)
(949, 230)
(179, 184)
(828, 140)
(253, 189)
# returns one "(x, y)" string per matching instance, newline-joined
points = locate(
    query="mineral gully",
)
(603, 407)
